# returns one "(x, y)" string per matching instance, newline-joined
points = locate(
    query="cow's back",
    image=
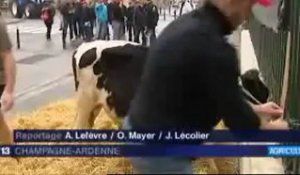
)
(98, 46)
(110, 69)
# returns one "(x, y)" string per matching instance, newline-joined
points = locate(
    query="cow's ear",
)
(116, 56)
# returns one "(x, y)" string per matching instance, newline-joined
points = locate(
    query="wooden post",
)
(285, 85)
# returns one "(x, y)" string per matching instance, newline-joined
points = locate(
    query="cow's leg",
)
(117, 120)
(85, 106)
(102, 98)
(94, 113)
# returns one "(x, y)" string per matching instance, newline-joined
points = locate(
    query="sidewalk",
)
(39, 63)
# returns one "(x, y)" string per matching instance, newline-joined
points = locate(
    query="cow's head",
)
(254, 84)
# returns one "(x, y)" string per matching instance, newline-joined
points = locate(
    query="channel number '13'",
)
(5, 151)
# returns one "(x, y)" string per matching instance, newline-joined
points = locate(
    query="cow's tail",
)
(75, 71)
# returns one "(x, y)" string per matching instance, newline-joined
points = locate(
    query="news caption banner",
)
(158, 143)
(170, 136)
(147, 151)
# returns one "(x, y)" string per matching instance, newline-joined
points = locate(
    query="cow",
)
(106, 75)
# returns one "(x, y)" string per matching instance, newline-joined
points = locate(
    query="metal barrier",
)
(271, 51)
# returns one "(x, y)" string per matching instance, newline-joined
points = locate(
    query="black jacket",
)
(64, 8)
(78, 9)
(86, 14)
(68, 9)
(116, 12)
(92, 11)
(190, 80)
(139, 16)
(109, 12)
(129, 15)
(152, 15)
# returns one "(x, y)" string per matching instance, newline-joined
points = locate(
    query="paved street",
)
(44, 68)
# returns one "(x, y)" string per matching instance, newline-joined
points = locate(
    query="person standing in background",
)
(47, 15)
(59, 8)
(91, 6)
(101, 12)
(152, 17)
(68, 11)
(71, 12)
(117, 19)
(7, 82)
(108, 5)
(129, 20)
(139, 22)
(86, 20)
(77, 22)
(124, 11)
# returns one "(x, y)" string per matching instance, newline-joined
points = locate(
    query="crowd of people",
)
(139, 19)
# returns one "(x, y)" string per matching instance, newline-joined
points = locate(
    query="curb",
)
(40, 86)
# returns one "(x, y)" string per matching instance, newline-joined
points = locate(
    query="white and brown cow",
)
(106, 76)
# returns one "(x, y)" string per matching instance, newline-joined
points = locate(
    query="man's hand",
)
(270, 114)
(7, 101)
(276, 125)
(269, 109)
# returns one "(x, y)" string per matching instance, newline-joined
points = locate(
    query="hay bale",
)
(60, 115)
